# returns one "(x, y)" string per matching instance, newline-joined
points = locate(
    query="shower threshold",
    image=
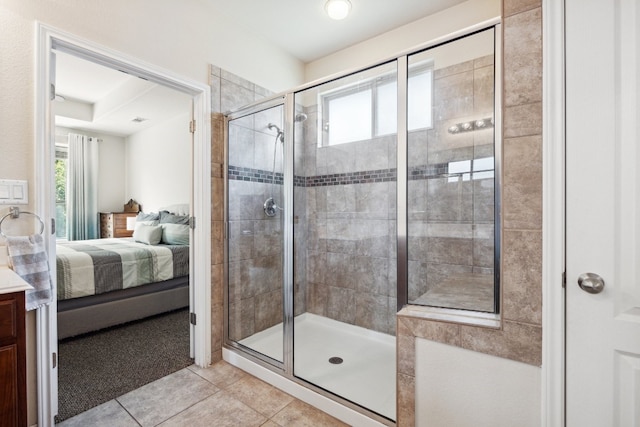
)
(366, 374)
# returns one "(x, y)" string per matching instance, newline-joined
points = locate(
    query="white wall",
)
(111, 174)
(159, 164)
(152, 166)
(404, 38)
(180, 36)
(458, 387)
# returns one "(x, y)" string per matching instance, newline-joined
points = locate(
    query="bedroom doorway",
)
(141, 320)
(173, 106)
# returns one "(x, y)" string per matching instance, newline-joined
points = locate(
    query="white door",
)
(603, 212)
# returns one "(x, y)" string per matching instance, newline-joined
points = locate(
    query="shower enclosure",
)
(351, 198)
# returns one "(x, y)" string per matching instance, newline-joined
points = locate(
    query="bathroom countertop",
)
(11, 282)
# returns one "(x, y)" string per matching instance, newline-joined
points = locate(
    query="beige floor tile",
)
(300, 414)
(269, 424)
(109, 414)
(219, 410)
(222, 374)
(166, 397)
(259, 395)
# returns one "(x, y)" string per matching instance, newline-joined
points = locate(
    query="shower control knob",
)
(591, 282)
(270, 207)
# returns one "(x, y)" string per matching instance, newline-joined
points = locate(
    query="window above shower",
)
(366, 109)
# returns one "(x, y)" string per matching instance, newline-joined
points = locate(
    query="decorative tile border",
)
(428, 171)
(440, 170)
(255, 175)
(363, 177)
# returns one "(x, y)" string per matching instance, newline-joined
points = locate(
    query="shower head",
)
(280, 135)
(271, 126)
(300, 117)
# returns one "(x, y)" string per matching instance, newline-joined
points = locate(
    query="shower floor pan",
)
(367, 373)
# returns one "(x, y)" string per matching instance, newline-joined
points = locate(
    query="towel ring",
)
(14, 213)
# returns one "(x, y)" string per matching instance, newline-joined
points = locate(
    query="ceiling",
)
(302, 28)
(95, 98)
(100, 99)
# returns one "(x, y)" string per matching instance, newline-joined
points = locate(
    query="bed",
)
(106, 282)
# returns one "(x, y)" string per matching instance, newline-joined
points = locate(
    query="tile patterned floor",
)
(221, 395)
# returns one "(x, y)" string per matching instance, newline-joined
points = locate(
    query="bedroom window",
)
(61, 191)
(369, 109)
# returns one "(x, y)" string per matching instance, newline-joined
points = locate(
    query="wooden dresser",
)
(13, 369)
(114, 224)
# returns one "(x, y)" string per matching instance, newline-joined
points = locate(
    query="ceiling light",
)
(338, 9)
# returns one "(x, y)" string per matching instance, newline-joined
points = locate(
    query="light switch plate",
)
(5, 191)
(14, 192)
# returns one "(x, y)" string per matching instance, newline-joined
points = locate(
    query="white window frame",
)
(62, 148)
(324, 99)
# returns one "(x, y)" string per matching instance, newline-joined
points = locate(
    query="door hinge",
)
(192, 318)
(192, 222)
(52, 94)
(564, 279)
(192, 126)
(54, 360)
(53, 226)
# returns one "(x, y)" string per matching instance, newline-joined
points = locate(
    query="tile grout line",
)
(214, 384)
(129, 413)
(285, 406)
(190, 406)
(218, 389)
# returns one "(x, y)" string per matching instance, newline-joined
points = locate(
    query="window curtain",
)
(82, 188)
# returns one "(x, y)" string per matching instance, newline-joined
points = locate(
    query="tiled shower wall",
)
(350, 210)
(255, 239)
(350, 222)
(255, 267)
(345, 209)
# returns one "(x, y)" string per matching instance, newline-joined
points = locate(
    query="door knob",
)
(591, 282)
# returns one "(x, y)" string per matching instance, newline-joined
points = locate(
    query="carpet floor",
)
(98, 367)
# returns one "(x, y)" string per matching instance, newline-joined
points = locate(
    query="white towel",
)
(28, 258)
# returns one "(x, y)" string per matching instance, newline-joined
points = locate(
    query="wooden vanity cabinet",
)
(13, 370)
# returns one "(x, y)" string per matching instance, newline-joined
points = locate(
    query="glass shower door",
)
(255, 232)
(344, 237)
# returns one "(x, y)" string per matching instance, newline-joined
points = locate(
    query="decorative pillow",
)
(169, 218)
(175, 234)
(147, 234)
(178, 209)
(151, 218)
